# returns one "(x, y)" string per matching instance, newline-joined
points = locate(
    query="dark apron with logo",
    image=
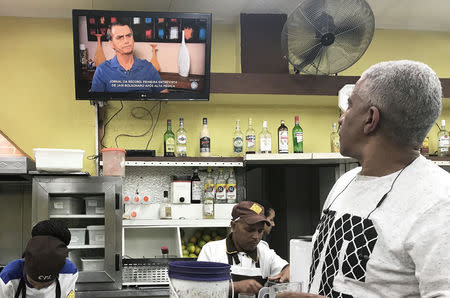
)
(22, 288)
(238, 277)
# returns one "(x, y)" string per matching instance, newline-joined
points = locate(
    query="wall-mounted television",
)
(136, 55)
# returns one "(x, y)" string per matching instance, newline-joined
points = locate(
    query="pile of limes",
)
(192, 248)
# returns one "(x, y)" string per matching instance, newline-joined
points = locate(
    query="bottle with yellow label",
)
(221, 191)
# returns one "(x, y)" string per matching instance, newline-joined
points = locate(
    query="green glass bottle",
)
(297, 134)
(169, 141)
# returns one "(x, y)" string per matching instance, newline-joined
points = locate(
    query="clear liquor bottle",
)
(231, 188)
(334, 139)
(221, 191)
(283, 138)
(443, 140)
(265, 139)
(181, 148)
(169, 141)
(297, 134)
(238, 140)
(205, 140)
(208, 197)
(250, 138)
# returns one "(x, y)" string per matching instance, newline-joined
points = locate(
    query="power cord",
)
(104, 127)
(135, 114)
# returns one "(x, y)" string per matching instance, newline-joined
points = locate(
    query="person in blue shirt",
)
(125, 72)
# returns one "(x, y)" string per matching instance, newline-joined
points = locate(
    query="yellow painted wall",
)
(38, 108)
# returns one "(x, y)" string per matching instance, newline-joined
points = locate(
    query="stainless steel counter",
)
(159, 292)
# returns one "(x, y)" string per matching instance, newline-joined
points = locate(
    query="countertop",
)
(158, 291)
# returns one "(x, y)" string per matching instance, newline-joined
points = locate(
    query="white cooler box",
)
(65, 206)
(78, 236)
(92, 264)
(58, 160)
(95, 205)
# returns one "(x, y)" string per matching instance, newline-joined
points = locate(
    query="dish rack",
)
(147, 271)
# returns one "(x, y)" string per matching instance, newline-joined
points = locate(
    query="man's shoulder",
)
(69, 268)
(12, 271)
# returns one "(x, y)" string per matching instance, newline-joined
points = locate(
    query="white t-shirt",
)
(270, 263)
(401, 250)
(12, 273)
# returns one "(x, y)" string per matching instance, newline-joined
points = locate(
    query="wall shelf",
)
(87, 246)
(182, 223)
(78, 216)
(298, 158)
(160, 161)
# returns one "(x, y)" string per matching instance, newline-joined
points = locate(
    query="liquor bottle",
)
(265, 139)
(297, 134)
(443, 140)
(169, 141)
(238, 140)
(164, 252)
(165, 208)
(205, 140)
(231, 188)
(196, 188)
(181, 140)
(209, 182)
(221, 188)
(334, 139)
(250, 138)
(283, 138)
(208, 205)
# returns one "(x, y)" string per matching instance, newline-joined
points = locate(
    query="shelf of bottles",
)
(160, 161)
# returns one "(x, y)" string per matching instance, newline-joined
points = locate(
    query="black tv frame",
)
(184, 95)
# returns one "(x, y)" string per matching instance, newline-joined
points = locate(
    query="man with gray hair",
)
(384, 231)
(125, 72)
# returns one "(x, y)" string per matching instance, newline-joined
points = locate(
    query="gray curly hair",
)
(409, 97)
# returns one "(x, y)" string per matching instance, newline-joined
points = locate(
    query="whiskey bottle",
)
(283, 138)
(196, 188)
(169, 141)
(205, 140)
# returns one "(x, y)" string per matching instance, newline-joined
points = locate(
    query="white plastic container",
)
(58, 160)
(65, 206)
(96, 235)
(113, 161)
(92, 264)
(78, 236)
(95, 205)
(300, 252)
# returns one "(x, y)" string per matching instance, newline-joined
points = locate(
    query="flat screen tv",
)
(136, 55)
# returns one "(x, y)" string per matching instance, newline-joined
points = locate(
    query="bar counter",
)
(131, 292)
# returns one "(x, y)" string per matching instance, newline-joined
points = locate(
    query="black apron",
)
(22, 288)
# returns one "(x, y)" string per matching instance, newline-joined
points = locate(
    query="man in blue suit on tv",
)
(124, 72)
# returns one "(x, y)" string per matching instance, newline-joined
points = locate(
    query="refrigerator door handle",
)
(117, 201)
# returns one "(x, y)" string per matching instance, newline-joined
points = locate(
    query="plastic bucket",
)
(193, 279)
(113, 161)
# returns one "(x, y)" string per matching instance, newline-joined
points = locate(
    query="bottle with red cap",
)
(165, 252)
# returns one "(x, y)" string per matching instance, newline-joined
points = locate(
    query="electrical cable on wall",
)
(157, 118)
(136, 115)
(104, 127)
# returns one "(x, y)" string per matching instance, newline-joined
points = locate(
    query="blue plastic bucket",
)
(199, 279)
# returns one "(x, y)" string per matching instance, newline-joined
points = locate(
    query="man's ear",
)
(111, 45)
(372, 120)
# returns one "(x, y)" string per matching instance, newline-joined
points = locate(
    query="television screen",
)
(130, 55)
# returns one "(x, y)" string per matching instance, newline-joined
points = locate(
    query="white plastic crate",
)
(95, 205)
(58, 160)
(96, 235)
(65, 206)
(78, 236)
